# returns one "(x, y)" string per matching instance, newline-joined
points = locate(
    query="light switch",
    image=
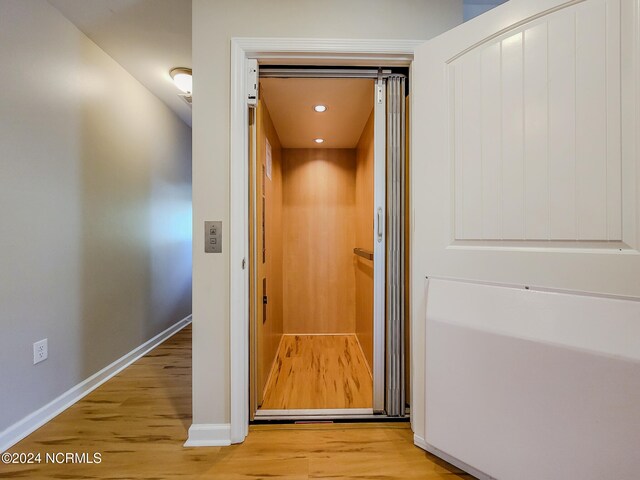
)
(213, 237)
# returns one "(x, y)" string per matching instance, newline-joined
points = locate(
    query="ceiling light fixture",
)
(320, 108)
(319, 140)
(182, 78)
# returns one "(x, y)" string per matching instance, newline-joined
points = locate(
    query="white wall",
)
(214, 23)
(95, 202)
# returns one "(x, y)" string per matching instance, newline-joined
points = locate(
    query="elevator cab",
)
(328, 203)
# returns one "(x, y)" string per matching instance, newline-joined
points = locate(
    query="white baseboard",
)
(16, 432)
(421, 442)
(209, 435)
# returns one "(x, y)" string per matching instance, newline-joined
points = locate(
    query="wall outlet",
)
(40, 351)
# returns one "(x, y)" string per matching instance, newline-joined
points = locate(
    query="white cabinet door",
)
(524, 172)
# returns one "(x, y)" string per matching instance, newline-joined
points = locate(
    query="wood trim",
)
(273, 367)
(364, 356)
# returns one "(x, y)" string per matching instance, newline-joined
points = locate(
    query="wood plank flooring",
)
(319, 371)
(138, 421)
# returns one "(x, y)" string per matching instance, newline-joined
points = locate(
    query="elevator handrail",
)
(361, 252)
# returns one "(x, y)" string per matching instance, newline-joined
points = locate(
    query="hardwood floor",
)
(138, 422)
(319, 371)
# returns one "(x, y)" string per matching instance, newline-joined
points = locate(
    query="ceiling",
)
(290, 102)
(150, 37)
(147, 37)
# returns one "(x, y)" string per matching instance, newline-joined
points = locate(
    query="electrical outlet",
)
(40, 351)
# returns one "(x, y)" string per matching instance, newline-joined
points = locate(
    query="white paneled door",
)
(525, 173)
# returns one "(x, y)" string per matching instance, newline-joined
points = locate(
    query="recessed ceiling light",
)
(182, 79)
(319, 140)
(320, 108)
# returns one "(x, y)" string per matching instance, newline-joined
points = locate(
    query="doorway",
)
(245, 53)
(327, 306)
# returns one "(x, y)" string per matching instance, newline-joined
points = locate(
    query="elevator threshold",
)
(329, 415)
(315, 414)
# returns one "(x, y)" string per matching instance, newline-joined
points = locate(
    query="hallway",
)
(138, 421)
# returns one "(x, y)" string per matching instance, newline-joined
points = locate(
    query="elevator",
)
(328, 244)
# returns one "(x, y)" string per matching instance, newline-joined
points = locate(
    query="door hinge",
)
(244, 263)
(264, 300)
(379, 95)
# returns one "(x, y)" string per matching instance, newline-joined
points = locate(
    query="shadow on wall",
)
(135, 220)
(473, 8)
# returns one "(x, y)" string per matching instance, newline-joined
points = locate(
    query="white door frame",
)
(289, 51)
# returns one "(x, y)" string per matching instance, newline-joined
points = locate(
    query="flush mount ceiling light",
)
(319, 140)
(182, 79)
(320, 108)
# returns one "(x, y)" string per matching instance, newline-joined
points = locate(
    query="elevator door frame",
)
(378, 233)
(291, 51)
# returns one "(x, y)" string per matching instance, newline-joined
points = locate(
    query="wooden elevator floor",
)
(319, 372)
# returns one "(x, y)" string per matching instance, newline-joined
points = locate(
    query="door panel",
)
(554, 110)
(524, 172)
(396, 179)
(379, 245)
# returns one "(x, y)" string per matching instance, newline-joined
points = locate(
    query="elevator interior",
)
(313, 229)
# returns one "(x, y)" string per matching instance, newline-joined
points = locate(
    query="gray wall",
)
(473, 8)
(95, 209)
